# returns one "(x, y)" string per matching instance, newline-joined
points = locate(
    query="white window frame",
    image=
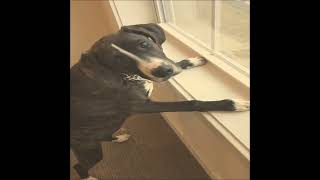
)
(230, 66)
(224, 132)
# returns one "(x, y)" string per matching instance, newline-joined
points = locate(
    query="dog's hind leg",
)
(191, 62)
(88, 155)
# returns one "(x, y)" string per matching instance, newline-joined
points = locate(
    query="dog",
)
(114, 79)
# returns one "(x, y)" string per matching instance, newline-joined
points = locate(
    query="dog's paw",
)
(121, 138)
(197, 61)
(241, 105)
(122, 131)
(90, 178)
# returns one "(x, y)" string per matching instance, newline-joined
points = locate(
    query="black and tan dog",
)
(113, 80)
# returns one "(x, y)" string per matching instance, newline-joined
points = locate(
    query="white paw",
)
(241, 105)
(197, 61)
(90, 178)
(121, 131)
(121, 138)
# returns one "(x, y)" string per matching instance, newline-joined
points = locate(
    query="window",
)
(220, 26)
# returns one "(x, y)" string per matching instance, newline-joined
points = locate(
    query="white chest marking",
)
(148, 86)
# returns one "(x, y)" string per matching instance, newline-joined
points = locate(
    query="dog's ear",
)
(154, 31)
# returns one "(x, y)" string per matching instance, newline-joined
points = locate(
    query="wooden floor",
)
(153, 152)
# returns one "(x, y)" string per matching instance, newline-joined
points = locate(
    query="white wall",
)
(90, 20)
(136, 12)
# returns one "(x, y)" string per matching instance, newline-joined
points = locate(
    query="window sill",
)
(214, 81)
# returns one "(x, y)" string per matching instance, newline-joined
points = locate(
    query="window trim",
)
(228, 65)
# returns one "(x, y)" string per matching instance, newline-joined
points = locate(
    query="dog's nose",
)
(163, 71)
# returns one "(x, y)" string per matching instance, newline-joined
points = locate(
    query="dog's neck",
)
(92, 70)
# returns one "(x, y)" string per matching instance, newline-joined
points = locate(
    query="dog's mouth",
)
(158, 73)
(159, 69)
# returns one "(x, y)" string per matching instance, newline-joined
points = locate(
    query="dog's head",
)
(136, 49)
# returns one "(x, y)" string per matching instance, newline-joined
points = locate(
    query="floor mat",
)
(153, 152)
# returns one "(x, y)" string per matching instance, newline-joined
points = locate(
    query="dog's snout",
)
(163, 71)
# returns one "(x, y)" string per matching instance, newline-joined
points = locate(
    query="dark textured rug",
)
(153, 152)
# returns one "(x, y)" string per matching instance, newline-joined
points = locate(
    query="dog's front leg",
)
(185, 106)
(191, 62)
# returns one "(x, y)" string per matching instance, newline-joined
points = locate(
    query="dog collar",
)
(148, 84)
(134, 77)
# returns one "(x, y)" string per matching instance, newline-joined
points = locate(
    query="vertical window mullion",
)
(172, 13)
(160, 11)
(216, 24)
(213, 24)
(165, 11)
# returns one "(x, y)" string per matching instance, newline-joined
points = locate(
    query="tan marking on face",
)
(156, 62)
(153, 64)
(148, 64)
(145, 70)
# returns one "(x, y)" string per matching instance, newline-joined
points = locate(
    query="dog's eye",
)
(143, 44)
